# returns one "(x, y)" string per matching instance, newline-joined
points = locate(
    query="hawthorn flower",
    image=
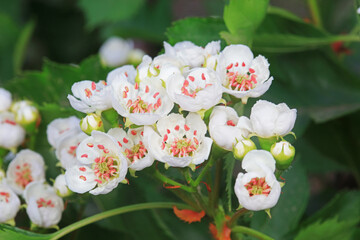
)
(142, 103)
(5, 100)
(60, 186)
(44, 207)
(66, 148)
(60, 127)
(91, 122)
(270, 120)
(89, 96)
(133, 148)
(257, 189)
(11, 133)
(241, 74)
(101, 165)
(115, 51)
(179, 141)
(190, 54)
(226, 128)
(284, 153)
(9, 203)
(26, 167)
(199, 89)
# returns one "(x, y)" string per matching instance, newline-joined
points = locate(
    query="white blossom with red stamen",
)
(115, 51)
(199, 89)
(44, 207)
(61, 127)
(179, 141)
(241, 74)
(191, 55)
(66, 148)
(9, 203)
(101, 165)
(257, 189)
(226, 128)
(133, 148)
(11, 133)
(270, 120)
(27, 166)
(5, 100)
(90, 96)
(143, 103)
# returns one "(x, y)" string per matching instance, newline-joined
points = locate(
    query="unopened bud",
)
(135, 56)
(26, 114)
(284, 153)
(242, 147)
(60, 186)
(91, 122)
(5, 99)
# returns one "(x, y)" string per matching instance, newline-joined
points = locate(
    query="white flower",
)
(132, 146)
(101, 165)
(179, 141)
(90, 96)
(115, 51)
(143, 103)
(11, 133)
(127, 71)
(26, 167)
(44, 207)
(66, 148)
(257, 189)
(5, 99)
(91, 122)
(200, 89)
(270, 120)
(226, 127)
(9, 203)
(190, 54)
(241, 75)
(25, 112)
(60, 127)
(60, 186)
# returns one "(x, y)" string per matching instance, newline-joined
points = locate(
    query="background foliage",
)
(321, 199)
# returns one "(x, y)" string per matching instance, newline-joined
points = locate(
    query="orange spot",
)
(189, 216)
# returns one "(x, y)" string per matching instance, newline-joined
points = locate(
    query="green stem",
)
(251, 232)
(315, 13)
(215, 191)
(235, 217)
(167, 180)
(202, 174)
(110, 213)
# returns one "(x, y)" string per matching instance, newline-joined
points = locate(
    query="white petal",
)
(203, 151)
(80, 178)
(256, 159)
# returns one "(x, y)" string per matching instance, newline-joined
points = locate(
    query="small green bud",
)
(26, 114)
(284, 153)
(242, 147)
(91, 122)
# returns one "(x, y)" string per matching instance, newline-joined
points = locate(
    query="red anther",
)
(251, 70)
(230, 66)
(93, 86)
(120, 144)
(170, 187)
(126, 74)
(236, 64)
(82, 169)
(125, 140)
(243, 64)
(282, 178)
(100, 146)
(207, 186)
(133, 132)
(191, 78)
(147, 89)
(156, 94)
(84, 155)
(177, 127)
(203, 76)
(186, 127)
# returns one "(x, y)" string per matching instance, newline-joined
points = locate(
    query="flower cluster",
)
(176, 106)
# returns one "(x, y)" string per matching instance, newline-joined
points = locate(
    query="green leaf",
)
(331, 229)
(149, 23)
(197, 30)
(105, 11)
(242, 17)
(229, 171)
(13, 233)
(290, 207)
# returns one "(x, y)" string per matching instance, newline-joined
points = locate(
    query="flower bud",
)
(5, 100)
(91, 122)
(242, 147)
(26, 114)
(60, 186)
(135, 56)
(283, 153)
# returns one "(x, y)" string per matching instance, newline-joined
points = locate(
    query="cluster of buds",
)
(196, 82)
(16, 119)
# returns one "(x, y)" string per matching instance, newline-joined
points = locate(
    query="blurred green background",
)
(321, 200)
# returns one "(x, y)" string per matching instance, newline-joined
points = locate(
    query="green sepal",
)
(10, 222)
(268, 212)
(192, 167)
(132, 172)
